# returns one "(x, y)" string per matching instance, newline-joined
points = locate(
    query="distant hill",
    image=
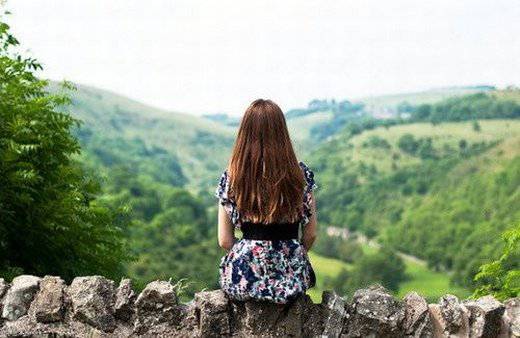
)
(443, 192)
(385, 106)
(322, 119)
(112, 120)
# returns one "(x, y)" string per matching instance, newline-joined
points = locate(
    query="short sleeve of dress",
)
(310, 185)
(227, 202)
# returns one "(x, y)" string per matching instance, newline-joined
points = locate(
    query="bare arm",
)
(226, 231)
(309, 232)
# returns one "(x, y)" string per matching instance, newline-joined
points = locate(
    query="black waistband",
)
(270, 232)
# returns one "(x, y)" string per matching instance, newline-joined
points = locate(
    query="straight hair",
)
(266, 180)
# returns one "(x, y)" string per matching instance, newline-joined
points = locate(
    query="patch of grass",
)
(429, 284)
(324, 267)
(442, 135)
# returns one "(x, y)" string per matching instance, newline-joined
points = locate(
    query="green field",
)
(429, 284)
(325, 268)
(442, 135)
(424, 281)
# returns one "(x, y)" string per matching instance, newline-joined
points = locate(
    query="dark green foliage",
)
(375, 141)
(476, 126)
(408, 144)
(179, 243)
(468, 107)
(336, 247)
(384, 268)
(50, 221)
(171, 235)
(458, 228)
(421, 147)
(501, 278)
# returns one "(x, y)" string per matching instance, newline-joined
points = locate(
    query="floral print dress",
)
(277, 270)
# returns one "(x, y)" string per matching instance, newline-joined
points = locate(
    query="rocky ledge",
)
(95, 307)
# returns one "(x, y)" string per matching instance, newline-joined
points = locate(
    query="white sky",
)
(216, 56)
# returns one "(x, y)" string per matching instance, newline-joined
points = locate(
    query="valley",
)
(370, 181)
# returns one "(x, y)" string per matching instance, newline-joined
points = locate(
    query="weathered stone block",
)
(275, 320)
(156, 304)
(213, 309)
(374, 312)
(485, 316)
(511, 318)
(417, 321)
(125, 298)
(93, 301)
(48, 306)
(450, 317)
(333, 313)
(3, 287)
(3, 290)
(19, 296)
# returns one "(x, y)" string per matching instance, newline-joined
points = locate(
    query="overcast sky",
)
(201, 56)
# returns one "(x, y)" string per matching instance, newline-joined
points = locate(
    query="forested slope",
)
(172, 147)
(160, 168)
(442, 191)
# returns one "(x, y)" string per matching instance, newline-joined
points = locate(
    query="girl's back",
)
(267, 194)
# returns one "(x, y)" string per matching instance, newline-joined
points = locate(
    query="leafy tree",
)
(178, 243)
(408, 144)
(501, 277)
(50, 221)
(384, 268)
(476, 126)
(467, 107)
(375, 141)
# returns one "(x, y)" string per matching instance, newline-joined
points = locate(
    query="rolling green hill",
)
(159, 169)
(442, 192)
(111, 120)
(322, 119)
(361, 149)
(422, 97)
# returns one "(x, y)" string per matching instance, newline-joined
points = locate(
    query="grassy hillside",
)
(445, 135)
(152, 164)
(300, 130)
(325, 268)
(441, 192)
(199, 145)
(322, 119)
(416, 98)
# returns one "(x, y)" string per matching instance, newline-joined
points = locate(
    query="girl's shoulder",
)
(309, 177)
(223, 186)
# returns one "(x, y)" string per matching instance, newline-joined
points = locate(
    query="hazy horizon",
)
(198, 57)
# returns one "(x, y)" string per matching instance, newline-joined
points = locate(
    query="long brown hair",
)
(266, 180)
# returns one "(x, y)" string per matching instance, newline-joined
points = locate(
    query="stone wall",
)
(96, 307)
